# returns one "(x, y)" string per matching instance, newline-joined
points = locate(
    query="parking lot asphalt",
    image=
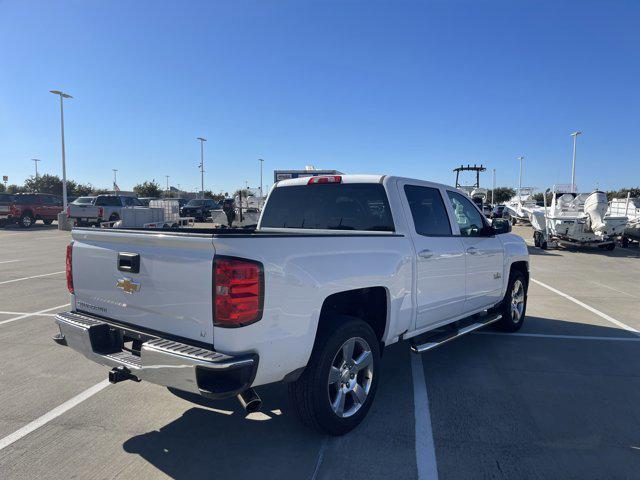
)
(559, 399)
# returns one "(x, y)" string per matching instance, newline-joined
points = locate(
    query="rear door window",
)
(428, 211)
(342, 206)
(108, 202)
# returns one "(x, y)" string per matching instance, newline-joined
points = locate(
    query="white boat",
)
(630, 208)
(520, 206)
(576, 219)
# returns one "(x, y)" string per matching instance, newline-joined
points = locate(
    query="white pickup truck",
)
(338, 268)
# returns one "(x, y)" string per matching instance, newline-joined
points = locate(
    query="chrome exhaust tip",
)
(250, 400)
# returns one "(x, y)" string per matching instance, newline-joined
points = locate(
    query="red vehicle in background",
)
(26, 208)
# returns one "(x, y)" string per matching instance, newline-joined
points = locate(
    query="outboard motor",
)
(595, 207)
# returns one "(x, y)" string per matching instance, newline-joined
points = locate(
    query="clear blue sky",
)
(407, 88)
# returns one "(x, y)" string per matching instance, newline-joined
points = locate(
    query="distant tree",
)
(502, 194)
(148, 189)
(46, 184)
(245, 193)
(539, 197)
(218, 197)
(82, 190)
(623, 192)
(100, 191)
(16, 189)
(2, 187)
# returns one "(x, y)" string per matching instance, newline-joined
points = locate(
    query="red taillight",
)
(238, 292)
(329, 179)
(68, 212)
(69, 269)
(100, 212)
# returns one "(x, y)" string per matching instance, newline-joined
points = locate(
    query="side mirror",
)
(501, 225)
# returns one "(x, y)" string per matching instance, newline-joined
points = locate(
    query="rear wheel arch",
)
(370, 304)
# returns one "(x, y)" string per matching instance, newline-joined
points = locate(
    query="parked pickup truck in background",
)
(104, 208)
(27, 208)
(200, 209)
(338, 268)
(6, 200)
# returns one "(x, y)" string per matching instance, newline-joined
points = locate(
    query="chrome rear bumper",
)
(160, 360)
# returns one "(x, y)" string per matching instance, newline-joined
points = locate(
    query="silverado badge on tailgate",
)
(127, 285)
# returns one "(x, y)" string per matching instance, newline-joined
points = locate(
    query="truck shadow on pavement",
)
(218, 439)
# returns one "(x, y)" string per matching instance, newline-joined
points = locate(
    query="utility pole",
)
(167, 176)
(261, 162)
(493, 190)
(202, 140)
(115, 177)
(62, 96)
(35, 161)
(521, 158)
(573, 162)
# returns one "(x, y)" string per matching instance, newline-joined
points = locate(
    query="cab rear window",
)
(342, 206)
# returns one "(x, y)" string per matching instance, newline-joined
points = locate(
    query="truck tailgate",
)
(83, 211)
(171, 291)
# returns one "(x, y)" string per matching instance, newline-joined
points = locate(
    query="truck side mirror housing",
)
(501, 225)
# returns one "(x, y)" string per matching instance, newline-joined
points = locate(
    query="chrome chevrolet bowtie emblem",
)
(497, 275)
(127, 285)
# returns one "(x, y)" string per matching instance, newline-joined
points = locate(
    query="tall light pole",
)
(62, 96)
(202, 140)
(167, 177)
(115, 177)
(521, 158)
(261, 162)
(36, 160)
(573, 162)
(493, 190)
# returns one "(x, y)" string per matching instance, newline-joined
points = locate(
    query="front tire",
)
(514, 305)
(335, 392)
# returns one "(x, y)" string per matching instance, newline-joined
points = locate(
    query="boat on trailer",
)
(576, 219)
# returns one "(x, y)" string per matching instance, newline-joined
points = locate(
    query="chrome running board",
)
(432, 340)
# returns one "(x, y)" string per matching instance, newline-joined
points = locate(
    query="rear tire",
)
(26, 220)
(514, 305)
(337, 388)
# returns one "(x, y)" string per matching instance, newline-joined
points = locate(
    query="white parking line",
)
(52, 414)
(29, 278)
(3, 312)
(588, 307)
(614, 289)
(9, 261)
(425, 450)
(568, 337)
(20, 317)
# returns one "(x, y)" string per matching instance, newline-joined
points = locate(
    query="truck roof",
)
(359, 178)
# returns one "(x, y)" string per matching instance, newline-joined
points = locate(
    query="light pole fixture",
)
(62, 96)
(167, 177)
(201, 140)
(573, 162)
(35, 161)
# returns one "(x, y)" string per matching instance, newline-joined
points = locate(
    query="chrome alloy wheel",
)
(517, 301)
(26, 221)
(350, 377)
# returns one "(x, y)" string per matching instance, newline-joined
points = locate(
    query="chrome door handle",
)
(472, 251)
(426, 253)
